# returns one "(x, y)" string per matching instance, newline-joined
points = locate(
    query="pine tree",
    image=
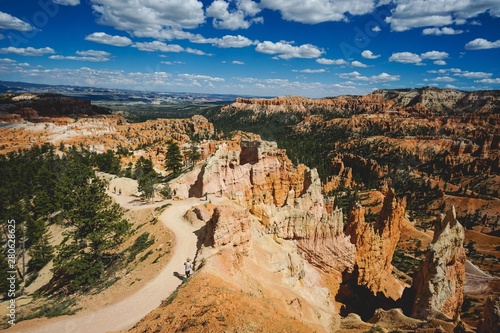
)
(94, 227)
(173, 159)
(41, 253)
(193, 153)
(146, 185)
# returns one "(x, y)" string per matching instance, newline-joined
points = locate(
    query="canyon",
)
(394, 226)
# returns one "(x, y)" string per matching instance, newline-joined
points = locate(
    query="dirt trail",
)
(124, 314)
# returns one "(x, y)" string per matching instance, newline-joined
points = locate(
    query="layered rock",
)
(229, 226)
(287, 200)
(438, 285)
(375, 244)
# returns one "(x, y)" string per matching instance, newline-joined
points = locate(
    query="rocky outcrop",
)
(375, 244)
(229, 226)
(438, 285)
(287, 200)
(491, 316)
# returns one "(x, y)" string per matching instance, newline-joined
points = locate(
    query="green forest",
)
(43, 186)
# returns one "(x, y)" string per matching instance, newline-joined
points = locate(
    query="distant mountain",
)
(116, 95)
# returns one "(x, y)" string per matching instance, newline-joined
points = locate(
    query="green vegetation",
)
(40, 188)
(141, 243)
(55, 308)
(173, 158)
(405, 263)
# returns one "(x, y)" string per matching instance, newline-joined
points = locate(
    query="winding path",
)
(124, 314)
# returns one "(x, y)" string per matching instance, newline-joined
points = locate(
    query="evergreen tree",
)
(41, 253)
(146, 185)
(193, 153)
(94, 227)
(173, 159)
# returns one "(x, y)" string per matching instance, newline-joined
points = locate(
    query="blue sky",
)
(313, 48)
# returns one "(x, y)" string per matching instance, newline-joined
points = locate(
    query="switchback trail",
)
(125, 313)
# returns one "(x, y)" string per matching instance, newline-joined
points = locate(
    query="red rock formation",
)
(375, 245)
(229, 226)
(491, 317)
(438, 286)
(286, 199)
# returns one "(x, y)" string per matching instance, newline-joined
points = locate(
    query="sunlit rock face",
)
(439, 284)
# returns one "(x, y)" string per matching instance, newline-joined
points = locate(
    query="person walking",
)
(188, 266)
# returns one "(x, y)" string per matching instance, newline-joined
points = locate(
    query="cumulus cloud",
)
(285, 50)
(158, 46)
(89, 55)
(434, 55)
(410, 14)
(237, 62)
(356, 63)
(382, 77)
(440, 62)
(146, 18)
(413, 58)
(227, 41)
(325, 61)
(490, 81)
(201, 77)
(67, 2)
(9, 22)
(310, 71)
(481, 44)
(444, 79)
(369, 54)
(313, 12)
(405, 58)
(241, 17)
(104, 38)
(441, 31)
(28, 51)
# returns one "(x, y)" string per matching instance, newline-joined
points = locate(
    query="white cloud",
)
(89, 55)
(28, 51)
(376, 29)
(481, 44)
(413, 58)
(369, 54)
(196, 77)
(223, 18)
(318, 11)
(237, 62)
(410, 14)
(9, 22)
(104, 38)
(383, 77)
(197, 52)
(227, 41)
(356, 63)
(148, 18)
(444, 79)
(173, 62)
(441, 31)
(473, 75)
(434, 55)
(7, 61)
(158, 46)
(67, 2)
(491, 81)
(285, 50)
(405, 58)
(325, 61)
(310, 71)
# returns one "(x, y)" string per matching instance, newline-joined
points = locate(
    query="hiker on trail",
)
(188, 266)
